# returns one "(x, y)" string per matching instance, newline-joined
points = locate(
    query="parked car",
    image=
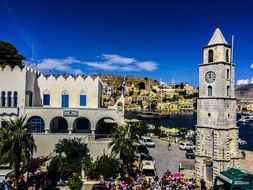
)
(146, 157)
(142, 149)
(99, 187)
(186, 146)
(148, 169)
(190, 153)
(147, 141)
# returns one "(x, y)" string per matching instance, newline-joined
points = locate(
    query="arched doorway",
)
(81, 125)
(37, 124)
(104, 127)
(59, 125)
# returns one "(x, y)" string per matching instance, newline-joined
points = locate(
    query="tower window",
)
(210, 56)
(15, 99)
(210, 90)
(227, 55)
(228, 90)
(228, 73)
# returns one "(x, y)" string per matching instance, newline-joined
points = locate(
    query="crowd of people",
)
(142, 182)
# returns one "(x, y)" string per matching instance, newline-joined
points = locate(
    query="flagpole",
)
(231, 62)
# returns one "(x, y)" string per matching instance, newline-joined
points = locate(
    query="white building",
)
(55, 103)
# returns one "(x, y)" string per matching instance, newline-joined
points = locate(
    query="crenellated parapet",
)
(32, 71)
(17, 70)
(68, 78)
(8, 69)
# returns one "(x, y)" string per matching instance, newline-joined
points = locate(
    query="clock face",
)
(210, 76)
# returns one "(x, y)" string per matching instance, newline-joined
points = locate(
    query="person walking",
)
(169, 145)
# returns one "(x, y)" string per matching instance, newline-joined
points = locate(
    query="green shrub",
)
(75, 183)
(107, 166)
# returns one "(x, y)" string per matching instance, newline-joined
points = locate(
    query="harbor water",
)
(189, 120)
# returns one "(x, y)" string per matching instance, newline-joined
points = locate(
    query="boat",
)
(246, 119)
(153, 115)
(242, 142)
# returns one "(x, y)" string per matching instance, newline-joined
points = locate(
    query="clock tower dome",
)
(217, 133)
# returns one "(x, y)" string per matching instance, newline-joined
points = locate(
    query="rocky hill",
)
(117, 80)
(244, 92)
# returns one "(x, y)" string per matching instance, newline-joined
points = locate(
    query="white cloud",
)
(108, 62)
(251, 66)
(147, 65)
(251, 80)
(102, 65)
(114, 62)
(62, 65)
(242, 81)
(117, 59)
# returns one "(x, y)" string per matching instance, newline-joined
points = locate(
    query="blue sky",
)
(151, 38)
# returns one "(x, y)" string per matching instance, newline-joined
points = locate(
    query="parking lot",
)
(168, 159)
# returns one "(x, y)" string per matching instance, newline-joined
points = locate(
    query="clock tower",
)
(217, 133)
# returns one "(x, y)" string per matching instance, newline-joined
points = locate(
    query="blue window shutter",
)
(65, 101)
(46, 99)
(82, 100)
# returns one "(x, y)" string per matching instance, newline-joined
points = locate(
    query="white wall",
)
(55, 86)
(13, 80)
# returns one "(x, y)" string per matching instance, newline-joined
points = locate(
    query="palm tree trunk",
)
(16, 175)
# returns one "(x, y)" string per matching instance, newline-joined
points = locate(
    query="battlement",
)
(8, 68)
(32, 71)
(15, 69)
(68, 78)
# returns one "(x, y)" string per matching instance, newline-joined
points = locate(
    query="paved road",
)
(165, 159)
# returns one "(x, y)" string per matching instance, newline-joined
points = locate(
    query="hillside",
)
(244, 92)
(117, 80)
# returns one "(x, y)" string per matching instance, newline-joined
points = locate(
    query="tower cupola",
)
(217, 49)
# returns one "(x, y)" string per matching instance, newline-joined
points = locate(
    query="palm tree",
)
(123, 143)
(16, 144)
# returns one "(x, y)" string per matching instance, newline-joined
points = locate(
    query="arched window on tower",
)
(227, 55)
(210, 90)
(210, 56)
(9, 99)
(3, 98)
(228, 73)
(15, 99)
(228, 90)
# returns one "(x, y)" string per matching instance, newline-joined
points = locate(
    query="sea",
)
(189, 120)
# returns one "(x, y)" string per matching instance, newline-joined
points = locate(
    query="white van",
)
(147, 141)
(148, 169)
(186, 146)
(5, 172)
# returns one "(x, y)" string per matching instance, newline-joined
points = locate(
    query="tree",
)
(107, 166)
(181, 85)
(16, 144)
(123, 143)
(141, 85)
(71, 153)
(9, 55)
(138, 128)
(73, 149)
(157, 130)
